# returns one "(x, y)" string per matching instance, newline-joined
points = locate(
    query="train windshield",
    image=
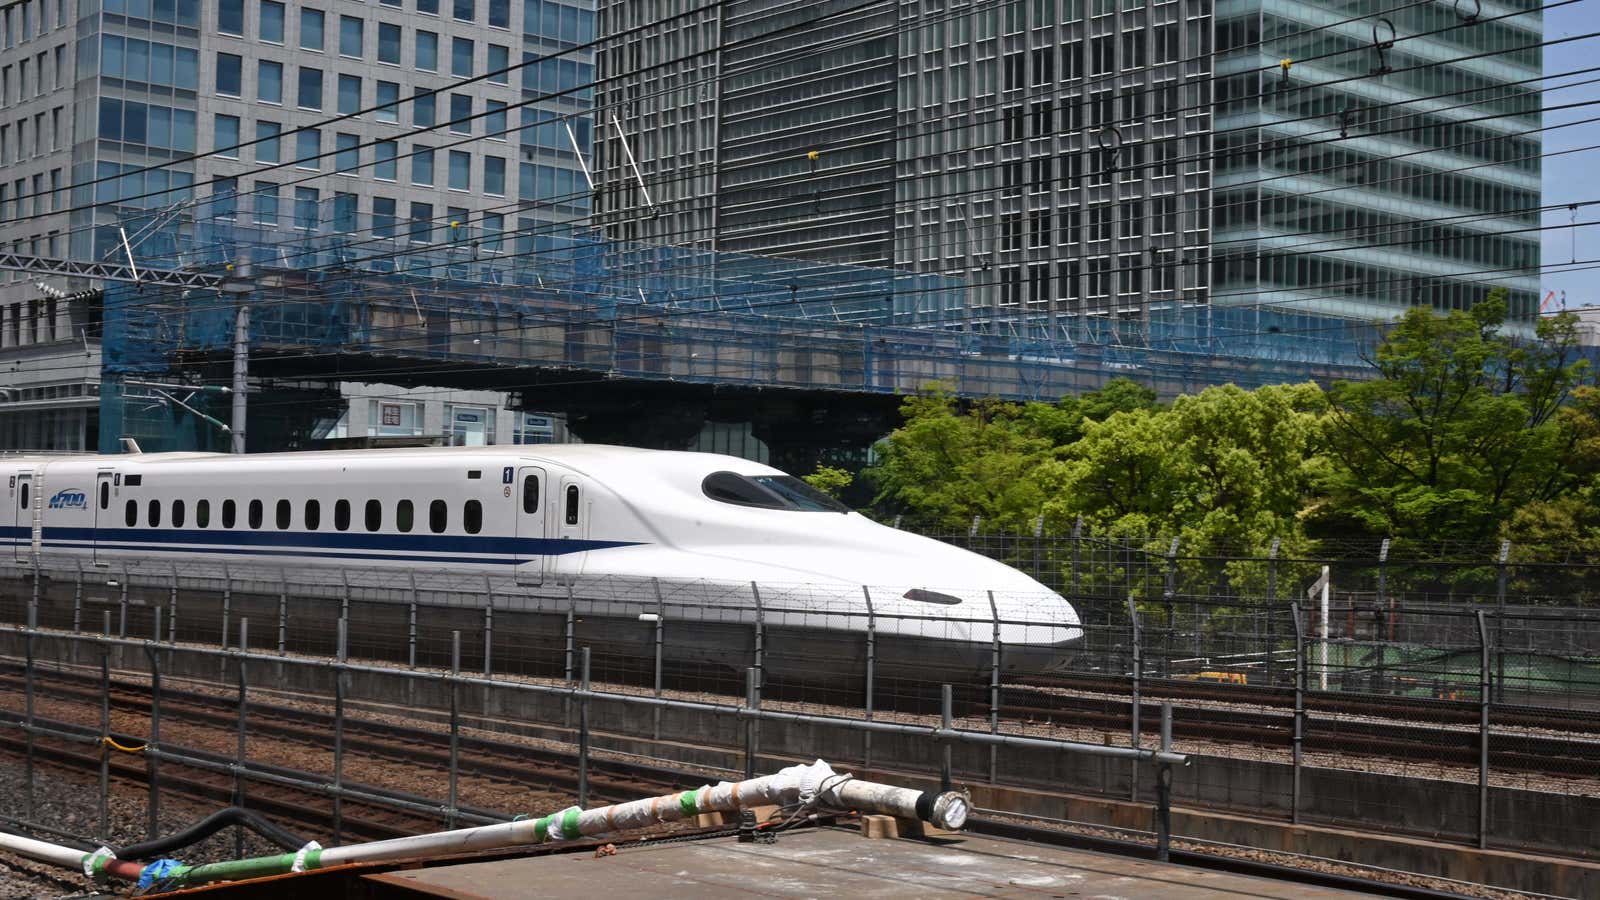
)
(768, 492)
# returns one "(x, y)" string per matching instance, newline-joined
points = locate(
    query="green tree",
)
(829, 480)
(1458, 431)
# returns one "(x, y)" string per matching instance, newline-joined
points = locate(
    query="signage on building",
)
(391, 414)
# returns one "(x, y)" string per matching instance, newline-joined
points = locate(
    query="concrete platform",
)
(834, 862)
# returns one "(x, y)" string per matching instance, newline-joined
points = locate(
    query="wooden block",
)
(879, 827)
(916, 828)
(763, 813)
(708, 820)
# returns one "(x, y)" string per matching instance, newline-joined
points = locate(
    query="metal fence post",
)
(1380, 615)
(1038, 538)
(227, 606)
(760, 650)
(1272, 599)
(994, 688)
(455, 724)
(872, 665)
(105, 728)
(283, 611)
(583, 731)
(752, 702)
(1484, 698)
(172, 608)
(341, 654)
(122, 605)
(1136, 635)
(244, 712)
(1500, 625)
(946, 722)
(344, 596)
(1077, 542)
(411, 623)
(1297, 744)
(488, 627)
(572, 616)
(152, 757)
(31, 618)
(77, 599)
(660, 638)
(1164, 789)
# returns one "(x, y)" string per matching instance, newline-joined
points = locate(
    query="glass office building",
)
(104, 105)
(1073, 160)
(1359, 179)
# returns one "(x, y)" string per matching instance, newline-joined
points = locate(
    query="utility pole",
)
(239, 285)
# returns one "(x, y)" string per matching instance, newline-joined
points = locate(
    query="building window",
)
(422, 108)
(499, 13)
(421, 225)
(307, 148)
(532, 429)
(468, 426)
(427, 51)
(230, 17)
(499, 62)
(383, 217)
(460, 113)
(428, 7)
(493, 225)
(388, 102)
(495, 121)
(388, 43)
(266, 203)
(464, 10)
(311, 29)
(225, 198)
(384, 167)
(349, 95)
(267, 142)
(271, 21)
(422, 166)
(460, 171)
(461, 57)
(351, 34)
(310, 95)
(229, 74)
(306, 213)
(347, 153)
(344, 213)
(494, 176)
(226, 137)
(269, 81)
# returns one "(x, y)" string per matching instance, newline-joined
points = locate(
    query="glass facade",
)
(1361, 196)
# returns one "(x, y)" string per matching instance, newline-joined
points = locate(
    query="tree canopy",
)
(1464, 432)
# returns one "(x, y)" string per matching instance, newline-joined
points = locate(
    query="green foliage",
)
(1465, 433)
(829, 480)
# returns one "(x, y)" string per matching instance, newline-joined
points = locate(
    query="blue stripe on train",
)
(257, 551)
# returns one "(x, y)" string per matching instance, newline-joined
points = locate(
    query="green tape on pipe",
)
(541, 828)
(689, 802)
(569, 823)
(238, 869)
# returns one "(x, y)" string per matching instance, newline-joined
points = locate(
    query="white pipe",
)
(813, 784)
(55, 854)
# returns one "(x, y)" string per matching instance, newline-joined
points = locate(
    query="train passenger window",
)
(177, 514)
(283, 512)
(530, 493)
(154, 514)
(105, 495)
(572, 504)
(22, 496)
(255, 513)
(130, 513)
(313, 519)
(230, 513)
(438, 516)
(472, 517)
(202, 514)
(341, 515)
(375, 515)
(404, 515)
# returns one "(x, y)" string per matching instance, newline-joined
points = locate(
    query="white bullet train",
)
(695, 537)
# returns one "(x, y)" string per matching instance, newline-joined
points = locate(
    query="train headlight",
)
(931, 597)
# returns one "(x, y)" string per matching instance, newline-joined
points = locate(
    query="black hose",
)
(199, 831)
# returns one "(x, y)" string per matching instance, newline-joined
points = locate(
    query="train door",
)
(569, 522)
(22, 514)
(530, 525)
(102, 515)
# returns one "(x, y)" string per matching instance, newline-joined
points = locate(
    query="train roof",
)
(576, 455)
